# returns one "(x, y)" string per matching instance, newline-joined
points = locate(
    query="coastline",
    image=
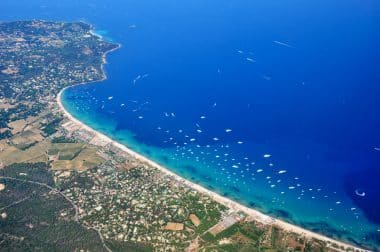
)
(252, 213)
(233, 205)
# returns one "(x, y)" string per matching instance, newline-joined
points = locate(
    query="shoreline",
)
(252, 213)
(231, 204)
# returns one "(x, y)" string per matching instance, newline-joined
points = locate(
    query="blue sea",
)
(275, 104)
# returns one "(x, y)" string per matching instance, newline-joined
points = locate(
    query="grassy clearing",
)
(17, 126)
(65, 151)
(33, 154)
(75, 156)
(26, 139)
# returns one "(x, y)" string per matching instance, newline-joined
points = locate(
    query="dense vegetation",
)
(37, 217)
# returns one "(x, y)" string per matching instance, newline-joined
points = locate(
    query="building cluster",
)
(139, 204)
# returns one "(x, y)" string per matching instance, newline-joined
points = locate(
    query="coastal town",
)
(75, 189)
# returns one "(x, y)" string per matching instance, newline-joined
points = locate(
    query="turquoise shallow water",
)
(272, 103)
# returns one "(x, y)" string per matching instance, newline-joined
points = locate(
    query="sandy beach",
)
(252, 213)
